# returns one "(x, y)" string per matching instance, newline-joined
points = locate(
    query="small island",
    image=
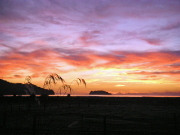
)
(99, 92)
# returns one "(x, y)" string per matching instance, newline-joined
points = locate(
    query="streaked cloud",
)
(100, 40)
(158, 72)
(119, 85)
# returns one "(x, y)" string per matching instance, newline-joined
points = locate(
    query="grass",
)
(85, 115)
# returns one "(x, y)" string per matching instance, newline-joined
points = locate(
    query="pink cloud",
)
(157, 72)
(42, 59)
(36, 35)
(153, 94)
(153, 41)
(172, 26)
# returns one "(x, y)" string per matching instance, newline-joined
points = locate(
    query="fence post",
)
(11, 108)
(34, 124)
(19, 107)
(29, 106)
(104, 120)
(44, 106)
(82, 121)
(5, 119)
(175, 122)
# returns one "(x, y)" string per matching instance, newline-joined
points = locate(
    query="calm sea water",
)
(72, 95)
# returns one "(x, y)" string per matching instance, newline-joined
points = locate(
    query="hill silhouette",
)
(99, 92)
(7, 88)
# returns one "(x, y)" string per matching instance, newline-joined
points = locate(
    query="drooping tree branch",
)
(52, 79)
(29, 85)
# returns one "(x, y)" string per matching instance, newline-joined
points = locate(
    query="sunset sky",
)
(120, 46)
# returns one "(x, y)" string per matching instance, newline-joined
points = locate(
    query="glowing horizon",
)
(117, 46)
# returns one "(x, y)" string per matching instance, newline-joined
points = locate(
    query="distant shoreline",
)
(57, 95)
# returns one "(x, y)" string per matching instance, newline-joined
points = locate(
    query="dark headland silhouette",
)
(99, 92)
(7, 88)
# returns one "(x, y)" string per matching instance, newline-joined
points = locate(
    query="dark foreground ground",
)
(89, 115)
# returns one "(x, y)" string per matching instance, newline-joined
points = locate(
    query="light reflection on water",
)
(58, 95)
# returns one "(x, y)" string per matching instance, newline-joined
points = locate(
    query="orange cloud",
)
(158, 72)
(156, 62)
(132, 67)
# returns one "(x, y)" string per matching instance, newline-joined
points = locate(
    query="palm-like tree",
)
(52, 79)
(79, 81)
(27, 79)
(67, 87)
(29, 85)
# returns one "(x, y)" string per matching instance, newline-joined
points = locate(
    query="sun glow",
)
(134, 52)
(119, 85)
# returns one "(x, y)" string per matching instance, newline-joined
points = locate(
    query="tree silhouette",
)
(52, 79)
(67, 87)
(29, 86)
